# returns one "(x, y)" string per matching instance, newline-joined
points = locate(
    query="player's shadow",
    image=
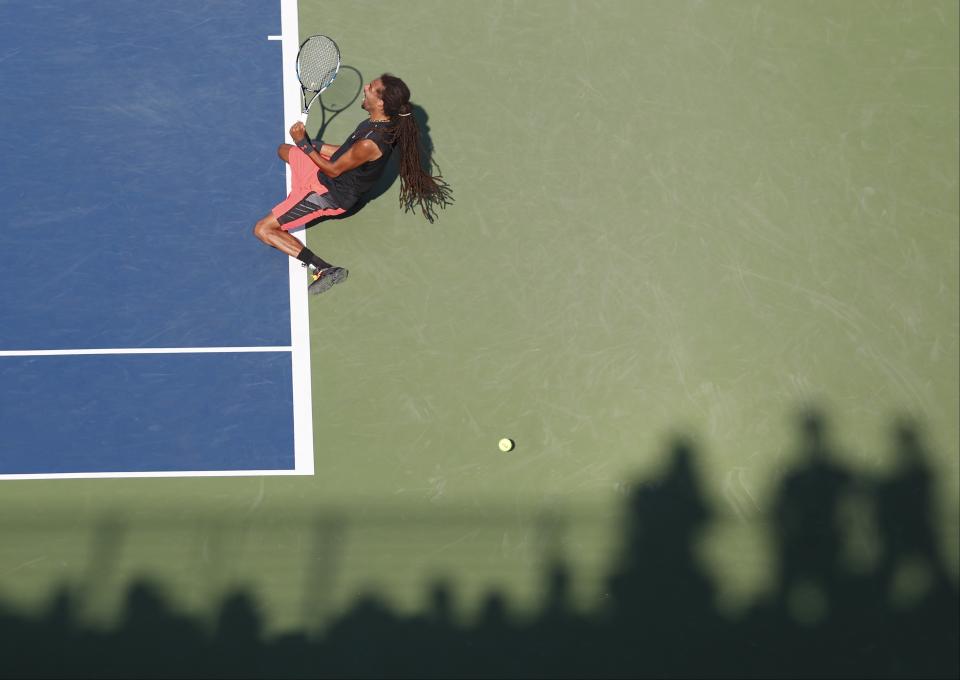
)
(342, 95)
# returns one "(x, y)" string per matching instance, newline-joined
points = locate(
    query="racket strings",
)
(318, 63)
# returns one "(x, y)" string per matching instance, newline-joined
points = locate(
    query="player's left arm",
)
(363, 151)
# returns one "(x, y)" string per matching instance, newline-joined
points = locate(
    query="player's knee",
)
(262, 228)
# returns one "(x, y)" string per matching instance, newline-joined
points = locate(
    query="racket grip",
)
(303, 118)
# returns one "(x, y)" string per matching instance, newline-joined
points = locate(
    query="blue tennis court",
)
(143, 330)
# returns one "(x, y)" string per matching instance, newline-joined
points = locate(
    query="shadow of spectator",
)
(808, 525)
(918, 597)
(894, 617)
(151, 639)
(236, 648)
(662, 616)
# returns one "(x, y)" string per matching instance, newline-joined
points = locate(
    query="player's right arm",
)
(327, 149)
(362, 152)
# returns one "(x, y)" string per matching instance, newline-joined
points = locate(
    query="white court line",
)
(137, 350)
(274, 37)
(299, 309)
(172, 473)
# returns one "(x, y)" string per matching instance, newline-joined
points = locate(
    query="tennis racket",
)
(318, 63)
(340, 96)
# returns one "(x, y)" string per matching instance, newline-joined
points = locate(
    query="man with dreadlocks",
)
(328, 179)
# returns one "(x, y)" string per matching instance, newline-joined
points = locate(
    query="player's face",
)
(371, 96)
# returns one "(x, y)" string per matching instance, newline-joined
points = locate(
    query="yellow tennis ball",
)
(506, 444)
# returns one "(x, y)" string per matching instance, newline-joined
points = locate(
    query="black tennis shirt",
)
(351, 185)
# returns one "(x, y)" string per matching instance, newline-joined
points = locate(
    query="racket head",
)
(318, 63)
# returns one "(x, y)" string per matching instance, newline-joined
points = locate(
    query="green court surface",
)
(672, 219)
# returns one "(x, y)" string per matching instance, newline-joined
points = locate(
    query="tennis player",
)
(327, 180)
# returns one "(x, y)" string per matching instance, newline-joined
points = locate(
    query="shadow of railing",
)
(896, 618)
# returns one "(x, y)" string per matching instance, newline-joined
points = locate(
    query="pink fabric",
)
(302, 183)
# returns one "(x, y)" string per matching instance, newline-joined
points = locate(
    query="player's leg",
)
(270, 232)
(325, 274)
(308, 201)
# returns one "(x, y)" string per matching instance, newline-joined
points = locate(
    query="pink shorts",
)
(304, 203)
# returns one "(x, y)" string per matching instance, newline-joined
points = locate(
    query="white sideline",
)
(137, 350)
(299, 310)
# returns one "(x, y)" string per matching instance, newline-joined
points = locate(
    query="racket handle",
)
(303, 118)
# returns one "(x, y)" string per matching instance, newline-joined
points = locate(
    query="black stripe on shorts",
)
(311, 203)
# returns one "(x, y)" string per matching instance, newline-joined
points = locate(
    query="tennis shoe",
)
(325, 278)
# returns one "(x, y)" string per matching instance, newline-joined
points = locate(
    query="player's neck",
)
(379, 118)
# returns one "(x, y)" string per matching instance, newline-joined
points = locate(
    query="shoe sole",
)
(325, 282)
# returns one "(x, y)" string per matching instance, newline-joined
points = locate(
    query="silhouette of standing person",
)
(662, 599)
(905, 513)
(807, 515)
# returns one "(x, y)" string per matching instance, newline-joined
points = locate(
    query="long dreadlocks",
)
(418, 186)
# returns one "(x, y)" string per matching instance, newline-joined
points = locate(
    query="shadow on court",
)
(894, 617)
